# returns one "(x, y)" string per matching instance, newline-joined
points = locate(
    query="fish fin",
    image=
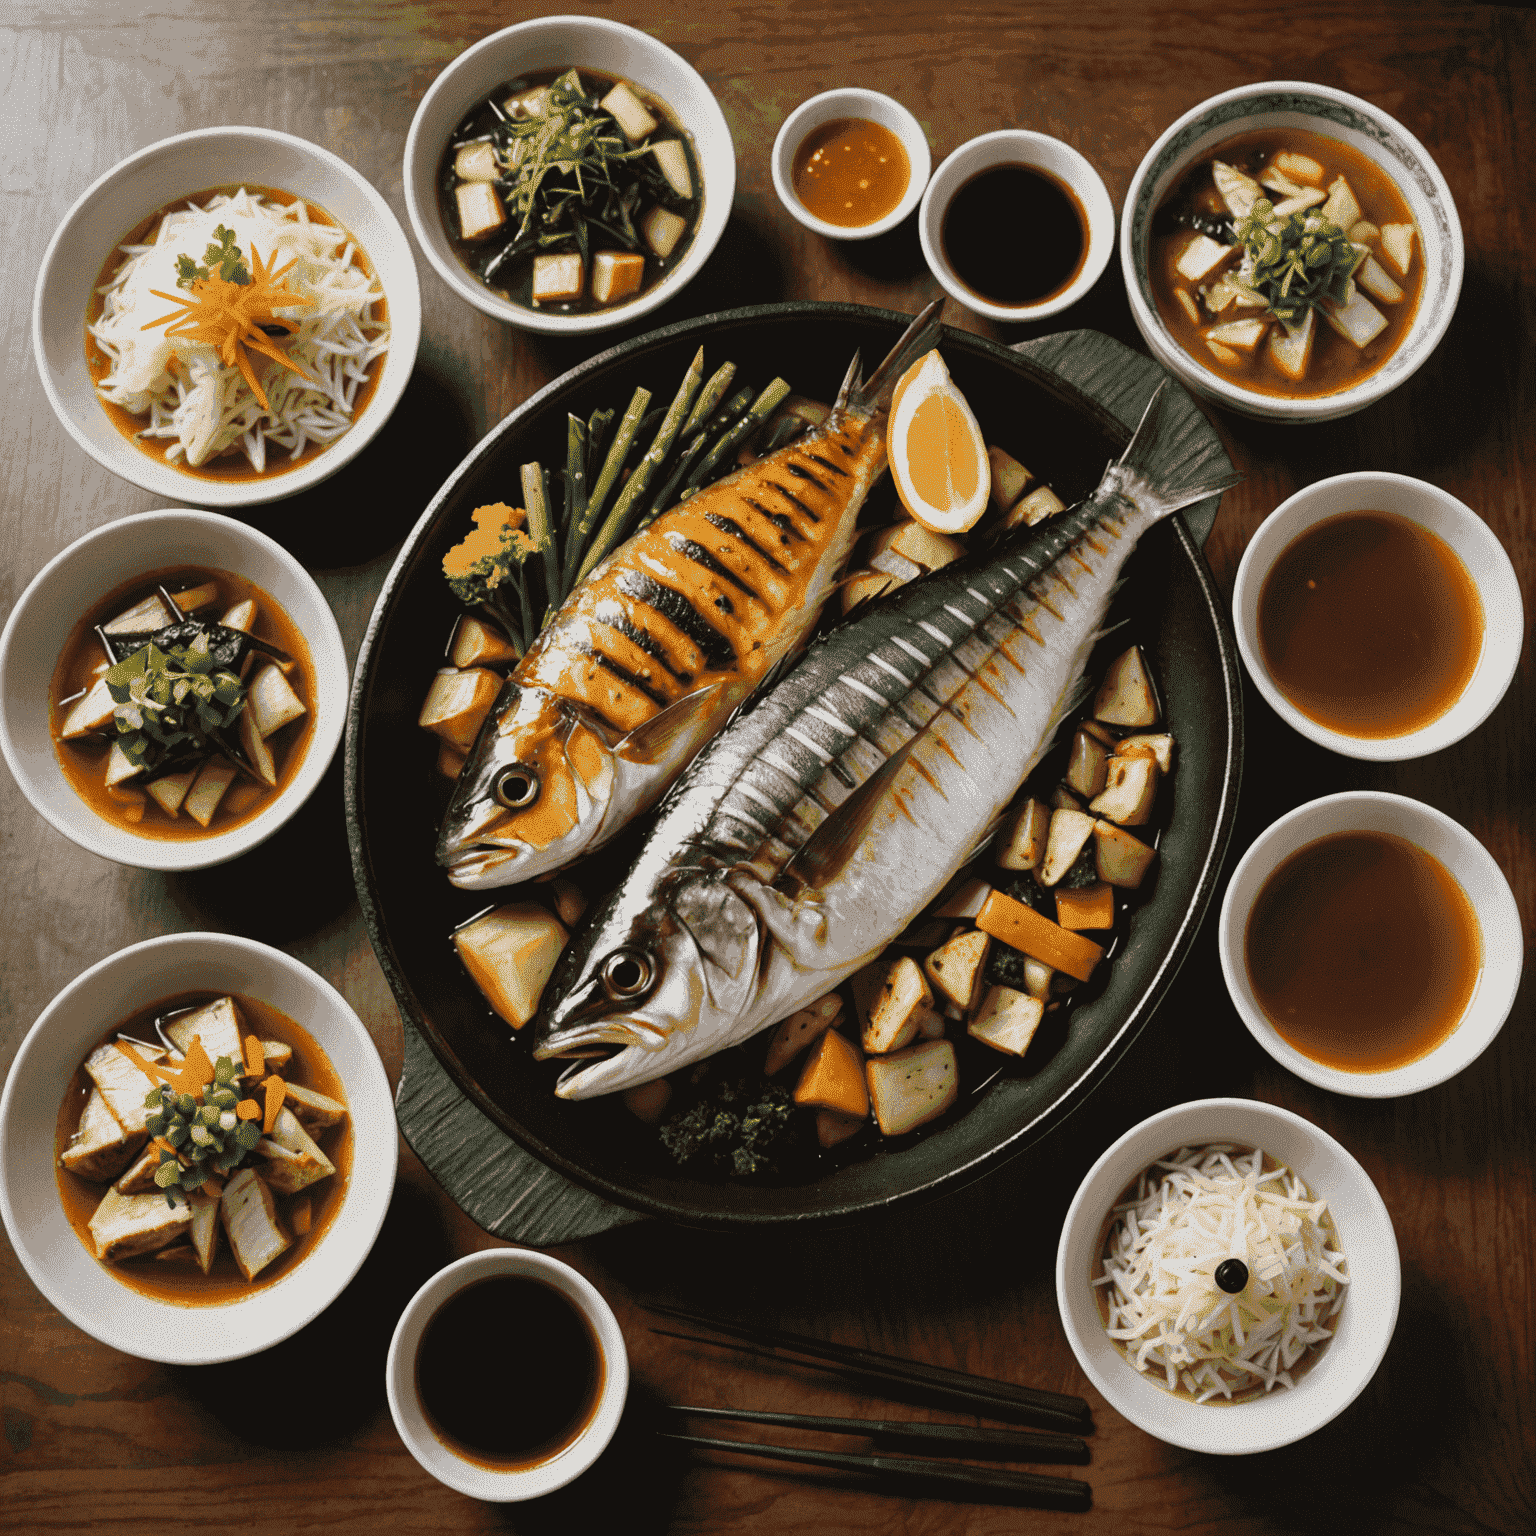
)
(874, 393)
(853, 382)
(657, 739)
(1170, 463)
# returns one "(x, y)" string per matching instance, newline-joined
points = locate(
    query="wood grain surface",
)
(301, 1439)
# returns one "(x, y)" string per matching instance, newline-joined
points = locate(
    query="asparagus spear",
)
(762, 408)
(617, 452)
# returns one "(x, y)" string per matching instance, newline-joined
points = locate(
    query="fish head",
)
(655, 982)
(532, 796)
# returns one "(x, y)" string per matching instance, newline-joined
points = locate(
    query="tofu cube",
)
(476, 162)
(629, 112)
(662, 229)
(479, 208)
(1201, 257)
(616, 275)
(558, 279)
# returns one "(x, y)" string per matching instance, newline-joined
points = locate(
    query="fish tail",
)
(1171, 461)
(872, 396)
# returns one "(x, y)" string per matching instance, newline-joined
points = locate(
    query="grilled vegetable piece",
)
(126, 1225)
(955, 968)
(100, 1149)
(1158, 746)
(457, 703)
(217, 1024)
(1021, 928)
(478, 644)
(799, 1030)
(1089, 765)
(893, 1012)
(833, 1128)
(911, 1087)
(1125, 697)
(1007, 1020)
(1086, 906)
(834, 1077)
(249, 1213)
(1069, 834)
(510, 953)
(1130, 791)
(1122, 860)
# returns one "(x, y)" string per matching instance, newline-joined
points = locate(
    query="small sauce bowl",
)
(1470, 540)
(1040, 152)
(850, 102)
(1468, 863)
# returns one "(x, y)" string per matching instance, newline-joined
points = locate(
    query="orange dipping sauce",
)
(850, 172)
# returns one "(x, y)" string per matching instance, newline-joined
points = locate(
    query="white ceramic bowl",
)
(1019, 146)
(481, 1482)
(1469, 864)
(1365, 1320)
(557, 42)
(175, 168)
(69, 585)
(850, 102)
(1473, 543)
(1336, 115)
(86, 1291)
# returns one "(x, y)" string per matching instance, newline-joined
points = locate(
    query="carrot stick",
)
(275, 1089)
(255, 1057)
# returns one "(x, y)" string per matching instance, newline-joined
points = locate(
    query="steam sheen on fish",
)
(816, 827)
(649, 657)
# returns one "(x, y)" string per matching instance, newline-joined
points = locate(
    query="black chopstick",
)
(952, 1388)
(933, 1439)
(933, 1478)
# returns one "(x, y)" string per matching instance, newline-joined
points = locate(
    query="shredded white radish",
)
(1189, 1214)
(204, 406)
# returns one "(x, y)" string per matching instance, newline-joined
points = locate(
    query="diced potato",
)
(1125, 697)
(833, 1128)
(1041, 503)
(1069, 834)
(1292, 350)
(662, 229)
(1201, 257)
(1341, 206)
(90, 714)
(1008, 1020)
(966, 900)
(1129, 794)
(1238, 191)
(1372, 276)
(242, 616)
(892, 1020)
(1121, 859)
(271, 701)
(1009, 478)
(207, 790)
(1397, 246)
(932, 551)
(1088, 765)
(569, 901)
(476, 162)
(1088, 906)
(450, 761)
(1188, 304)
(257, 752)
(629, 112)
(1037, 978)
(1023, 928)
(954, 969)
(616, 275)
(1223, 353)
(1062, 799)
(479, 208)
(1299, 167)
(1243, 335)
(148, 614)
(1359, 321)
(457, 703)
(559, 278)
(865, 586)
(833, 1077)
(510, 954)
(1021, 841)
(478, 644)
(913, 1086)
(120, 766)
(891, 563)
(930, 1024)
(648, 1102)
(1310, 197)
(672, 158)
(796, 1032)
(1363, 233)
(1157, 745)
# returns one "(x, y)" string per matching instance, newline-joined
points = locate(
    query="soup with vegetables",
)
(203, 1147)
(183, 703)
(1287, 263)
(569, 190)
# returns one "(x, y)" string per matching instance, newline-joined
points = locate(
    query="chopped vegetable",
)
(913, 1086)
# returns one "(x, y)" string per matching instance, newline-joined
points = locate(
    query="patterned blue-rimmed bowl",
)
(1336, 115)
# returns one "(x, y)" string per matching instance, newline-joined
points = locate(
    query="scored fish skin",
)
(652, 654)
(814, 829)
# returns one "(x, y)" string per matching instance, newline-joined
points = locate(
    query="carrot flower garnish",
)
(232, 317)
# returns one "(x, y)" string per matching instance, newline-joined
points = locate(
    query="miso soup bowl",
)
(176, 168)
(88, 1292)
(72, 583)
(1466, 860)
(1336, 115)
(1364, 1323)
(559, 42)
(1473, 543)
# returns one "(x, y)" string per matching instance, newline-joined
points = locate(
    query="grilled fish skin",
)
(813, 830)
(653, 653)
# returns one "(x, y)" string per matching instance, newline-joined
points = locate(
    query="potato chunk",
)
(955, 968)
(1125, 697)
(457, 703)
(1129, 794)
(510, 954)
(796, 1032)
(892, 1018)
(1008, 1020)
(911, 1087)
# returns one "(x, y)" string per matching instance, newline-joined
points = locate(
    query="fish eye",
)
(516, 787)
(627, 973)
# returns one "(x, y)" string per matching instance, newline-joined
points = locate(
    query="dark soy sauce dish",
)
(1015, 235)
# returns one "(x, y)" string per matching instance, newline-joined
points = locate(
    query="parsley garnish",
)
(1298, 262)
(225, 259)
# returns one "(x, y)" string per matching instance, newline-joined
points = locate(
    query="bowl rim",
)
(1134, 1151)
(327, 658)
(1081, 175)
(425, 219)
(1494, 578)
(402, 296)
(1278, 407)
(1498, 918)
(795, 127)
(504, 1485)
(375, 1192)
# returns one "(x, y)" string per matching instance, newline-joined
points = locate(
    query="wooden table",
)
(1442, 1440)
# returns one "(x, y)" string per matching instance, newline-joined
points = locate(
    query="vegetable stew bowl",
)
(1365, 1321)
(559, 42)
(85, 1290)
(1337, 115)
(176, 168)
(79, 577)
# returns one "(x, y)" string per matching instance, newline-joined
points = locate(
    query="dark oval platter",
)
(394, 795)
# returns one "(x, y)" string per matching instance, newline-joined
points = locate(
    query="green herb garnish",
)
(224, 259)
(213, 1136)
(1299, 262)
(171, 698)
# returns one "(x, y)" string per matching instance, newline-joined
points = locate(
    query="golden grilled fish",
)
(649, 657)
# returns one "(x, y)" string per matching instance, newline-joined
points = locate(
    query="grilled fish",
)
(811, 832)
(649, 657)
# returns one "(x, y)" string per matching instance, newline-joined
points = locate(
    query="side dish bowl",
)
(1469, 864)
(560, 42)
(177, 168)
(1334, 114)
(86, 1291)
(1365, 1320)
(60, 595)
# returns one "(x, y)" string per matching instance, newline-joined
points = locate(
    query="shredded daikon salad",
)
(189, 395)
(1190, 1213)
